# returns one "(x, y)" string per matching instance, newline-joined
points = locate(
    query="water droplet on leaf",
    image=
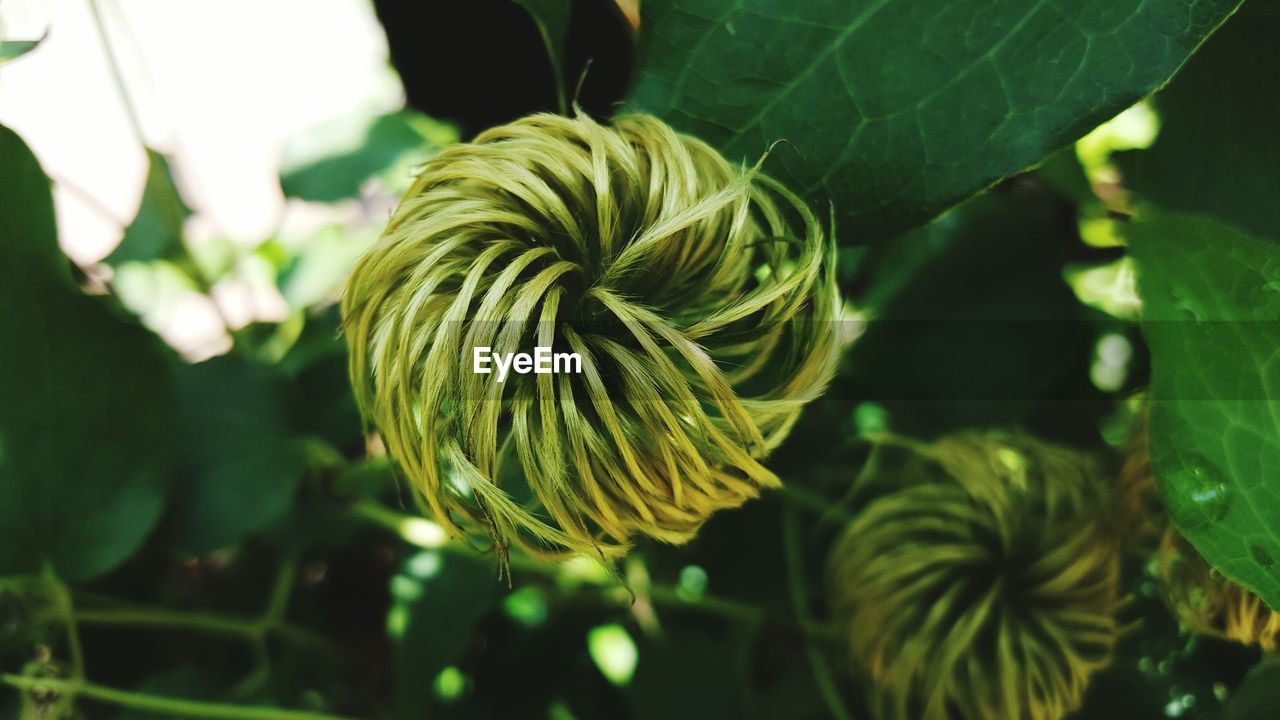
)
(1262, 557)
(1198, 493)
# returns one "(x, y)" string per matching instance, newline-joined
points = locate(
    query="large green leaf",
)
(239, 466)
(85, 400)
(1211, 316)
(1218, 152)
(896, 110)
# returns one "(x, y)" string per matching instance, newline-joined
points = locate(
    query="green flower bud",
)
(699, 298)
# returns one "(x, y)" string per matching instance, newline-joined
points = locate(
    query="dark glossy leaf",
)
(1218, 152)
(156, 231)
(897, 110)
(1211, 316)
(85, 401)
(239, 465)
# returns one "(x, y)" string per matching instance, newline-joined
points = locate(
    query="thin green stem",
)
(168, 707)
(117, 76)
(669, 597)
(403, 525)
(809, 501)
(66, 609)
(800, 600)
(282, 590)
(252, 629)
(173, 619)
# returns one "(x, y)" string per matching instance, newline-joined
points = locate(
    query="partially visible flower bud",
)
(984, 584)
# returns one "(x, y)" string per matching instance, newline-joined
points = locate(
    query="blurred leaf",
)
(239, 465)
(1211, 316)
(186, 683)
(440, 597)
(980, 286)
(316, 274)
(552, 19)
(1218, 150)
(1161, 670)
(898, 110)
(1258, 696)
(156, 231)
(13, 49)
(687, 675)
(331, 162)
(1063, 172)
(85, 401)
(322, 403)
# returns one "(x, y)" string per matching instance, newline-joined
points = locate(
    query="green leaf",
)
(552, 19)
(331, 162)
(14, 49)
(1211, 317)
(668, 667)
(897, 110)
(239, 466)
(438, 600)
(85, 401)
(1258, 696)
(156, 231)
(27, 224)
(981, 286)
(180, 683)
(322, 404)
(318, 271)
(1218, 151)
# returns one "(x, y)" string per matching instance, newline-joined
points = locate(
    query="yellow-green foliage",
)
(699, 295)
(983, 585)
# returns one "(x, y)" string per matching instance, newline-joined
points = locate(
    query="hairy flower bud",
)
(984, 584)
(699, 297)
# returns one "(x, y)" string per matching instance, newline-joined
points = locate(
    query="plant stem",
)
(66, 613)
(800, 600)
(810, 501)
(169, 707)
(659, 594)
(113, 64)
(208, 623)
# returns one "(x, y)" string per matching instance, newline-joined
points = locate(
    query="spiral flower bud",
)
(698, 296)
(983, 586)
